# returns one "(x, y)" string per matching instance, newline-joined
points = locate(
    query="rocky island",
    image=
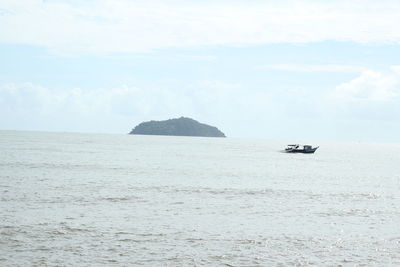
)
(178, 127)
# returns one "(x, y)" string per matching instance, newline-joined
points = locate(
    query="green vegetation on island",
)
(177, 127)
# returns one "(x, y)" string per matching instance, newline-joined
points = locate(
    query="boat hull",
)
(301, 151)
(307, 150)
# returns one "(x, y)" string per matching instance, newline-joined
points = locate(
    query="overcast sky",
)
(298, 70)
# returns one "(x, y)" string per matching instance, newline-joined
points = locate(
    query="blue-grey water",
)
(120, 200)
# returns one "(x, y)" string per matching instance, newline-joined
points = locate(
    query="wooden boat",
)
(296, 148)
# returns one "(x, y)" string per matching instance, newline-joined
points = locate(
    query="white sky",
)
(253, 68)
(101, 26)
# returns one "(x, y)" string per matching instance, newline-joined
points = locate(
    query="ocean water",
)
(121, 200)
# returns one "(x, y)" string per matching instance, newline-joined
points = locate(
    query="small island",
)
(177, 127)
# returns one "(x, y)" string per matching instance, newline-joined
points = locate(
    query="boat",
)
(296, 148)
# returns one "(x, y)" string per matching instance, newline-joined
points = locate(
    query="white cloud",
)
(371, 86)
(17, 97)
(372, 98)
(30, 106)
(101, 26)
(314, 68)
(236, 109)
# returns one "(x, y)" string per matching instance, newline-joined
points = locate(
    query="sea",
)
(69, 199)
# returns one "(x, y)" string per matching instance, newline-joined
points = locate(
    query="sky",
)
(290, 69)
